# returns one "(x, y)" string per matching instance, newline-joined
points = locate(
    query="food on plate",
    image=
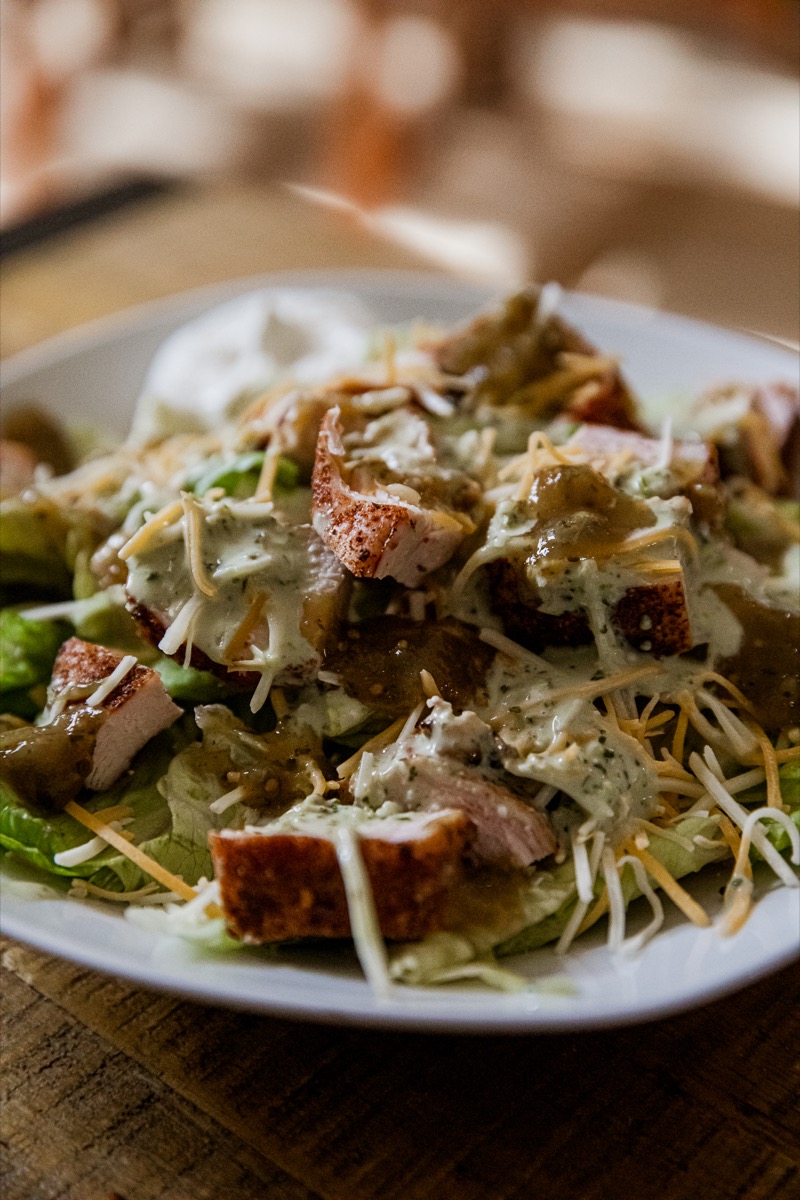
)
(444, 648)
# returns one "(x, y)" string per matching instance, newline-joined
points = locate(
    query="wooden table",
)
(112, 1091)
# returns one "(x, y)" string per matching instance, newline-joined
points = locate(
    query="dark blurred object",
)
(388, 94)
(31, 429)
(58, 219)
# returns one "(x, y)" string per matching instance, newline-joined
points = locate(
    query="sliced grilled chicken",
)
(525, 356)
(509, 833)
(653, 617)
(377, 528)
(133, 711)
(757, 430)
(686, 463)
(589, 551)
(451, 762)
(282, 884)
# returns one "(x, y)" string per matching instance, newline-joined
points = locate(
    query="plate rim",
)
(144, 313)
(374, 1015)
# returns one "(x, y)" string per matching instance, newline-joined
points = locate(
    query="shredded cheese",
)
(774, 799)
(739, 697)
(429, 684)
(364, 926)
(112, 681)
(144, 861)
(268, 474)
(384, 738)
(81, 888)
(77, 855)
(679, 736)
(223, 803)
(739, 816)
(739, 892)
(241, 634)
(678, 895)
(616, 900)
(192, 536)
(390, 357)
(144, 536)
(599, 687)
(632, 945)
(675, 533)
(180, 629)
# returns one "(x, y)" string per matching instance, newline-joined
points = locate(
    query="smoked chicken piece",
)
(688, 463)
(132, 713)
(388, 508)
(453, 762)
(48, 765)
(258, 598)
(85, 745)
(286, 883)
(509, 833)
(653, 617)
(757, 433)
(522, 355)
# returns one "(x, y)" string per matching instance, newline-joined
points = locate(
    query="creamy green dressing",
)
(567, 743)
(247, 549)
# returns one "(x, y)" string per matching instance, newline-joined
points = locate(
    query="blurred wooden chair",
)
(371, 139)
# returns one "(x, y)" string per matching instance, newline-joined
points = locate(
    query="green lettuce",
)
(552, 896)
(187, 685)
(32, 549)
(27, 652)
(238, 476)
(181, 845)
(169, 793)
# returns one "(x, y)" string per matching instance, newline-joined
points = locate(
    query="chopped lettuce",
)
(171, 820)
(187, 685)
(547, 923)
(238, 475)
(32, 548)
(790, 788)
(181, 845)
(27, 653)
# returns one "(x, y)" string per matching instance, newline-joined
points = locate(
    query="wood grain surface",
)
(110, 1091)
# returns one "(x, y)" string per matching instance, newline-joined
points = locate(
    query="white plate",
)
(94, 375)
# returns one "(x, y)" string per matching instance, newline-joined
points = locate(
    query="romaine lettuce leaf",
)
(32, 548)
(27, 650)
(27, 653)
(185, 792)
(190, 686)
(238, 476)
(169, 790)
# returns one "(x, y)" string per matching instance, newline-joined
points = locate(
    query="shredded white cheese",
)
(369, 944)
(107, 685)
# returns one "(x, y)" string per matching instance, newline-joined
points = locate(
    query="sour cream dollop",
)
(209, 369)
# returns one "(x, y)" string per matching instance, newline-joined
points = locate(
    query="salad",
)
(435, 644)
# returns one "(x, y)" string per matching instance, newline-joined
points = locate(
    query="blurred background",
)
(648, 151)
